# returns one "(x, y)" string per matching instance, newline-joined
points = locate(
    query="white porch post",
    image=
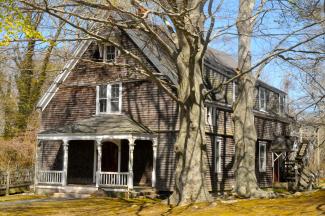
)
(131, 149)
(37, 157)
(99, 161)
(65, 162)
(154, 151)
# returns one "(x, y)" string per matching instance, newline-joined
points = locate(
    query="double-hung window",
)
(217, 155)
(235, 91)
(262, 156)
(281, 103)
(109, 53)
(109, 98)
(262, 99)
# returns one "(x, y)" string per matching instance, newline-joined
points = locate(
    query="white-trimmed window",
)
(217, 155)
(109, 98)
(235, 91)
(281, 103)
(262, 156)
(211, 115)
(262, 99)
(108, 53)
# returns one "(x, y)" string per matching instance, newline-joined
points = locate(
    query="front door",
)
(142, 163)
(109, 157)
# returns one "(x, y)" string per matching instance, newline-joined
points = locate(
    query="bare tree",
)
(183, 30)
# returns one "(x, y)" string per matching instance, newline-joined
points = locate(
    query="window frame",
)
(217, 154)
(260, 167)
(108, 99)
(105, 49)
(234, 91)
(211, 115)
(282, 106)
(261, 89)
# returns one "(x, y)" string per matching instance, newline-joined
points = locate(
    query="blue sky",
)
(273, 23)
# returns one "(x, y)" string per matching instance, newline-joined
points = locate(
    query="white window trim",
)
(234, 91)
(105, 53)
(284, 102)
(211, 115)
(108, 105)
(260, 167)
(259, 99)
(217, 145)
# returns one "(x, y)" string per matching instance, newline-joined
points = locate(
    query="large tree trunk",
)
(243, 116)
(190, 148)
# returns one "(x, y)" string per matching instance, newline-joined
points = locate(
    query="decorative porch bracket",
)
(65, 162)
(99, 160)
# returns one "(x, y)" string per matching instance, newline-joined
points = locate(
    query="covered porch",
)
(112, 152)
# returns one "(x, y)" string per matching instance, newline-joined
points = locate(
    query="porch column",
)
(37, 157)
(65, 162)
(154, 151)
(131, 149)
(99, 161)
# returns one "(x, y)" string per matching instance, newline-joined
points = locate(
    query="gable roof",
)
(218, 60)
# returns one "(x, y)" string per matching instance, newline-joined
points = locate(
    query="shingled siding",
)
(147, 104)
(51, 155)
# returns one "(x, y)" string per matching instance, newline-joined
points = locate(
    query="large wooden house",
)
(110, 127)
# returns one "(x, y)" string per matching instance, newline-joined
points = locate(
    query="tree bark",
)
(190, 148)
(243, 117)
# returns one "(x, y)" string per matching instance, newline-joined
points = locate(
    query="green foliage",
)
(13, 23)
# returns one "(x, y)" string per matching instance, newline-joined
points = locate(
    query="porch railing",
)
(50, 177)
(113, 178)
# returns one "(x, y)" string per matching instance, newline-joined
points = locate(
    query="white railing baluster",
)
(50, 177)
(113, 178)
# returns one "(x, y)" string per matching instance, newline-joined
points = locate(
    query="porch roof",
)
(282, 144)
(108, 124)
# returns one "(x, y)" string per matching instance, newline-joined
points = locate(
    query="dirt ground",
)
(312, 203)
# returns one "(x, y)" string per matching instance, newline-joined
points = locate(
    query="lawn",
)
(306, 204)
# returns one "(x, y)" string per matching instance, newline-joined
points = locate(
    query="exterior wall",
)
(143, 101)
(51, 155)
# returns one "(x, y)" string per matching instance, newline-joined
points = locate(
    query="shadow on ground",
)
(307, 204)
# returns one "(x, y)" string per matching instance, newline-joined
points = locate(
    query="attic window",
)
(105, 53)
(110, 53)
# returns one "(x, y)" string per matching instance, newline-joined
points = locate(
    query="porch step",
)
(143, 192)
(71, 195)
(80, 189)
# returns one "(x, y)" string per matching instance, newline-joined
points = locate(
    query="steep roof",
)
(220, 61)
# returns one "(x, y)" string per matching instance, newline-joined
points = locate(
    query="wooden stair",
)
(304, 178)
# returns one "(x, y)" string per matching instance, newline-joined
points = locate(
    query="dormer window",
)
(106, 53)
(109, 99)
(110, 53)
(262, 99)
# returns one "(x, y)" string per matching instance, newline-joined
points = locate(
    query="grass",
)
(19, 197)
(306, 204)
